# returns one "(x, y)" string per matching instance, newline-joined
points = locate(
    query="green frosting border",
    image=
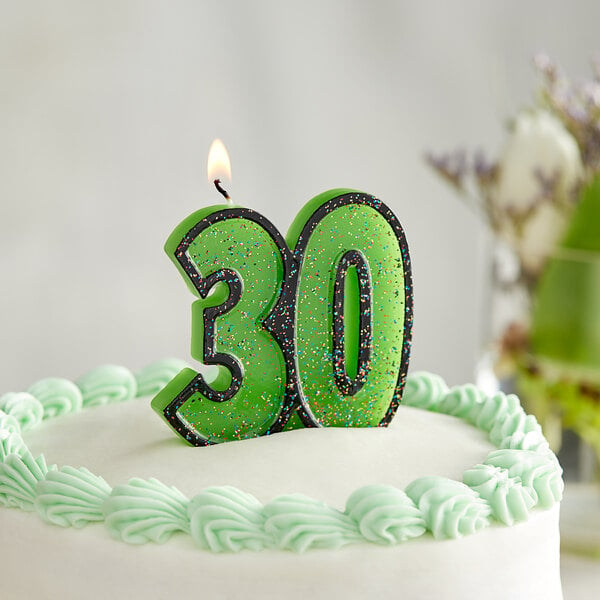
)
(520, 475)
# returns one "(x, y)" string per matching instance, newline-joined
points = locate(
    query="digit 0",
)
(354, 309)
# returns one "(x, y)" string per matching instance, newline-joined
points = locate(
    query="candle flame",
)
(219, 166)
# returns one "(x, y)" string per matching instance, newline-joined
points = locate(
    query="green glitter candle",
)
(311, 331)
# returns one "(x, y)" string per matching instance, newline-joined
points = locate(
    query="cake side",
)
(496, 563)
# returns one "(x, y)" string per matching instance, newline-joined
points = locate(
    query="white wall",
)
(107, 110)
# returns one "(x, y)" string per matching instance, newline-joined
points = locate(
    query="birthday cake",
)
(457, 498)
(313, 480)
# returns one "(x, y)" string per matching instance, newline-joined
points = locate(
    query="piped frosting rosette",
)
(71, 497)
(225, 519)
(145, 511)
(520, 476)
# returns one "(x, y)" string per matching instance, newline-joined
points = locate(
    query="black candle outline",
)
(210, 314)
(349, 386)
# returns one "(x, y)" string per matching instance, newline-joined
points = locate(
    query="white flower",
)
(539, 147)
(540, 235)
(539, 143)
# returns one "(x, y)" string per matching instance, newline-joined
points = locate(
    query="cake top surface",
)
(328, 463)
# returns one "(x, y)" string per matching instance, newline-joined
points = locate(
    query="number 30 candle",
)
(308, 331)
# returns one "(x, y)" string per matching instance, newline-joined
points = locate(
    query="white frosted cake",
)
(457, 498)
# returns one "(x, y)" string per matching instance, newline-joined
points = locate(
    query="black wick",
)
(217, 183)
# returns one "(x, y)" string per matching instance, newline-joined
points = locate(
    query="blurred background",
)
(107, 111)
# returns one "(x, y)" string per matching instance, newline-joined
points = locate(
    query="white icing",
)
(267, 467)
(520, 561)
